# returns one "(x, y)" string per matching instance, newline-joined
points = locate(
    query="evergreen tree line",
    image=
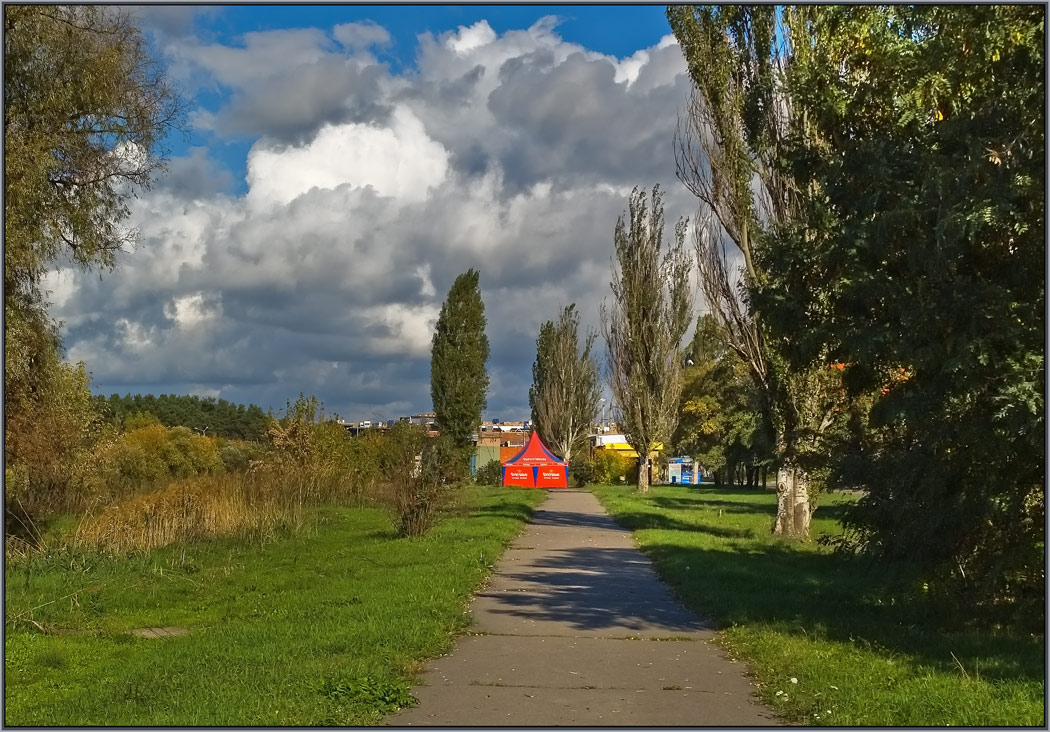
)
(207, 415)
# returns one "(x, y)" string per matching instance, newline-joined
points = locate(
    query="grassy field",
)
(822, 637)
(324, 627)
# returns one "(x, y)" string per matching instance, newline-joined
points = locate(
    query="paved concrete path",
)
(575, 629)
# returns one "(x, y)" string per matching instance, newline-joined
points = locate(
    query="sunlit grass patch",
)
(860, 653)
(325, 626)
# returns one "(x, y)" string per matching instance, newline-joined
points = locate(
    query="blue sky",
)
(344, 164)
(615, 30)
(619, 30)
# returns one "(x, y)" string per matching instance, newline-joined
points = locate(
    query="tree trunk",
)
(643, 473)
(793, 506)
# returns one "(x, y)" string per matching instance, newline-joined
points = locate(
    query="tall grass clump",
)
(153, 485)
(313, 462)
(109, 468)
(152, 455)
(187, 510)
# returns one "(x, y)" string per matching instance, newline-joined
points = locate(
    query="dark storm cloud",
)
(576, 123)
(285, 84)
(289, 107)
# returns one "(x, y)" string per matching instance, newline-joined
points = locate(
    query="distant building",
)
(426, 419)
(618, 443)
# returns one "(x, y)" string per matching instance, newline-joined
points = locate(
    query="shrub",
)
(489, 474)
(581, 470)
(236, 455)
(607, 466)
(138, 420)
(420, 472)
(43, 435)
(140, 456)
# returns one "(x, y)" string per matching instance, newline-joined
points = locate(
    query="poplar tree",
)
(459, 381)
(643, 326)
(731, 154)
(566, 384)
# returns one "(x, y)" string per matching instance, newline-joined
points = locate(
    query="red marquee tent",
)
(536, 467)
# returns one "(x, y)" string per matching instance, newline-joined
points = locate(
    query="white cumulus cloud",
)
(368, 193)
(399, 161)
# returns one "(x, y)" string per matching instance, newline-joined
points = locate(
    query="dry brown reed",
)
(196, 508)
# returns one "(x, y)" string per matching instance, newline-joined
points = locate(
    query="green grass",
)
(324, 627)
(859, 654)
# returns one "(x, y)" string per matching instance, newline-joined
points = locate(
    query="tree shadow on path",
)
(594, 589)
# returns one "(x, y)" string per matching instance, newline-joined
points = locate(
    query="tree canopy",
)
(731, 154)
(644, 324)
(721, 421)
(86, 111)
(566, 384)
(918, 262)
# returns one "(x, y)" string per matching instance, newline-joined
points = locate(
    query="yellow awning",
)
(625, 449)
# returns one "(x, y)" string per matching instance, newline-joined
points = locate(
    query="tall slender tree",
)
(566, 384)
(721, 423)
(643, 326)
(731, 154)
(459, 381)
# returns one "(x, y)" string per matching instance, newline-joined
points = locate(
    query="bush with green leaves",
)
(237, 455)
(607, 467)
(421, 474)
(490, 473)
(581, 471)
(150, 456)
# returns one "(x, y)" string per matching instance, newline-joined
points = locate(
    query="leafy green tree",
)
(86, 108)
(566, 384)
(643, 327)
(459, 381)
(731, 154)
(920, 263)
(721, 422)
